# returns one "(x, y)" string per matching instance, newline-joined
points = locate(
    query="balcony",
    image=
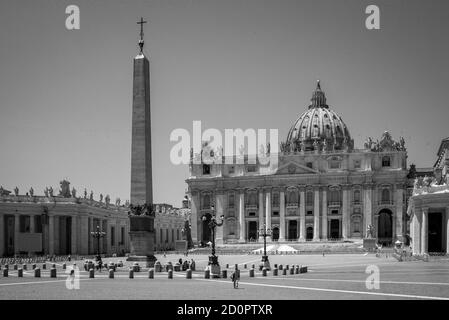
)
(291, 205)
(334, 203)
(385, 202)
(251, 206)
(357, 202)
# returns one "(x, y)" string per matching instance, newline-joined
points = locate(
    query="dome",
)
(318, 128)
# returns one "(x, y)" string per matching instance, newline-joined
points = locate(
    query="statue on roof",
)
(85, 193)
(107, 199)
(65, 188)
(31, 191)
(91, 196)
(117, 202)
(16, 191)
(73, 192)
(101, 197)
(50, 191)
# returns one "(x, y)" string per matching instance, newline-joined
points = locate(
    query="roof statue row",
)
(386, 143)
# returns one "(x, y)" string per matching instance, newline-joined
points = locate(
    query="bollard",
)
(251, 273)
(64, 266)
(280, 267)
(53, 265)
(189, 273)
(244, 266)
(7, 266)
(15, 266)
(227, 265)
(207, 274)
(33, 266)
(253, 266)
(170, 274)
(151, 273)
(236, 266)
(286, 266)
(24, 266)
(224, 274)
(5, 272)
(44, 266)
(284, 272)
(53, 273)
(111, 273)
(131, 273)
(275, 265)
(20, 273)
(297, 269)
(91, 273)
(292, 271)
(264, 272)
(275, 271)
(37, 273)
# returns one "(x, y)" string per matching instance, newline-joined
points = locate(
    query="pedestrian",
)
(180, 261)
(235, 280)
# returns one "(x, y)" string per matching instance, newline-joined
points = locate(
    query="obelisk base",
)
(142, 247)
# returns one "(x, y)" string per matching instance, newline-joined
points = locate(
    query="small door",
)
(435, 240)
(335, 229)
(292, 230)
(252, 230)
(309, 233)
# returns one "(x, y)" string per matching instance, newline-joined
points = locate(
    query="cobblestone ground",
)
(329, 277)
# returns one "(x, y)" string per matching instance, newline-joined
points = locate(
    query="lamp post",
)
(265, 232)
(97, 234)
(213, 259)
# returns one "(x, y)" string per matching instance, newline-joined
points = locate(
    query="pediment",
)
(292, 167)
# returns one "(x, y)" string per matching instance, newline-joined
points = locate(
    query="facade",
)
(428, 208)
(168, 226)
(60, 225)
(322, 189)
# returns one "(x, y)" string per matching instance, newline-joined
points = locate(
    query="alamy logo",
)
(73, 278)
(373, 280)
(240, 146)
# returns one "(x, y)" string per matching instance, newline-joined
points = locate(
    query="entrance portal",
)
(275, 234)
(309, 233)
(292, 230)
(335, 229)
(252, 230)
(435, 241)
(385, 227)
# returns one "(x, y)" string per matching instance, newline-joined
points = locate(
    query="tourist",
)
(180, 261)
(235, 280)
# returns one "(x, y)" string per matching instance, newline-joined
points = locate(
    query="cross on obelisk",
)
(141, 42)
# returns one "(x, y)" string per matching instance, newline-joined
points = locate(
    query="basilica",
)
(323, 189)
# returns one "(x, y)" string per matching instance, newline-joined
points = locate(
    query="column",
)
(447, 229)
(51, 234)
(16, 233)
(74, 249)
(399, 211)
(316, 214)
(268, 210)
(302, 214)
(84, 235)
(345, 213)
(195, 207)
(261, 212)
(416, 225)
(282, 215)
(424, 230)
(218, 213)
(2, 234)
(324, 214)
(242, 215)
(367, 207)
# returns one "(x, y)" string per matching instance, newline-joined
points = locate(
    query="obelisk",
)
(141, 205)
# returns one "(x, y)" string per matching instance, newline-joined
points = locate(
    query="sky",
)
(66, 95)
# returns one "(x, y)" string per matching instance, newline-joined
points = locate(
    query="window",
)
(334, 212)
(309, 212)
(231, 200)
(206, 202)
(334, 164)
(24, 224)
(252, 214)
(276, 199)
(357, 164)
(385, 161)
(309, 198)
(335, 196)
(206, 169)
(385, 195)
(252, 199)
(309, 165)
(38, 224)
(275, 213)
(112, 236)
(357, 196)
(292, 197)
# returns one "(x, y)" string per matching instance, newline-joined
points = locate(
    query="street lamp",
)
(265, 232)
(213, 259)
(98, 234)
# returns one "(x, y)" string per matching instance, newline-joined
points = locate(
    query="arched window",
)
(335, 196)
(292, 197)
(385, 195)
(231, 200)
(385, 161)
(357, 196)
(276, 199)
(252, 199)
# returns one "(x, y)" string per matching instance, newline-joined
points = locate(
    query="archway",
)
(275, 234)
(292, 230)
(385, 227)
(335, 229)
(309, 233)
